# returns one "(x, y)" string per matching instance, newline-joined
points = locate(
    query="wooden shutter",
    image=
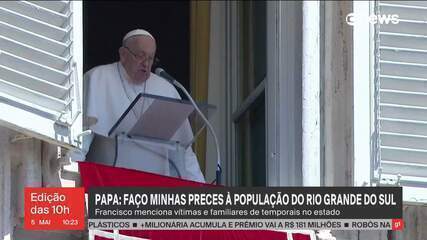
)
(401, 51)
(40, 68)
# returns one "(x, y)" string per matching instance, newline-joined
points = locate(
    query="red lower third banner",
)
(54, 209)
(96, 175)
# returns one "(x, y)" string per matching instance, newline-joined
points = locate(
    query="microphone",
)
(162, 73)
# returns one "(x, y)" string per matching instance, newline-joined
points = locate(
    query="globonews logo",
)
(352, 18)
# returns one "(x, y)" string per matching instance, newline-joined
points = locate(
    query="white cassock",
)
(109, 95)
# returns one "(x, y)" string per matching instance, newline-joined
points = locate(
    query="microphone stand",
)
(163, 73)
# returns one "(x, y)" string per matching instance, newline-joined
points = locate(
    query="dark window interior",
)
(106, 22)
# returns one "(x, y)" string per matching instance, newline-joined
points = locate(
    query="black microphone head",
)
(162, 73)
(159, 71)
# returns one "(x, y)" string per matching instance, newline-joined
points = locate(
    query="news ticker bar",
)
(245, 224)
(214, 208)
(245, 203)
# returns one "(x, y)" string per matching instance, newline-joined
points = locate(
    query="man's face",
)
(137, 56)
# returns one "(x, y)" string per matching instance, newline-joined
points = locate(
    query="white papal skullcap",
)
(137, 32)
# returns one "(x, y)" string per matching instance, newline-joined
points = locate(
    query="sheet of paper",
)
(162, 119)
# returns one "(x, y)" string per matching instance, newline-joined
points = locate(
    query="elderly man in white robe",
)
(114, 86)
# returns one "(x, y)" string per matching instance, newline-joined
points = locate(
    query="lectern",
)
(151, 135)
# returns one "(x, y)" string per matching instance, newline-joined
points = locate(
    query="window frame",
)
(282, 92)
